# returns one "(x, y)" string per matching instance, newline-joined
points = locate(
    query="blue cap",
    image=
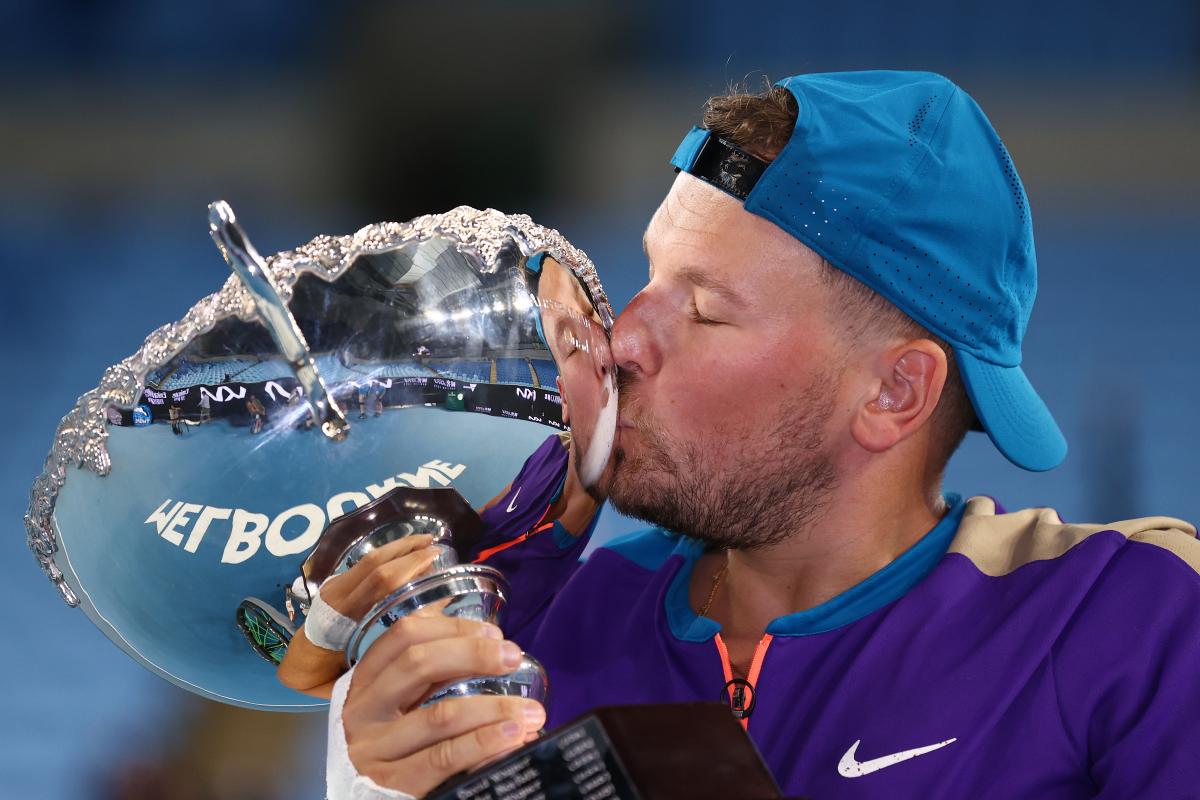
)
(899, 179)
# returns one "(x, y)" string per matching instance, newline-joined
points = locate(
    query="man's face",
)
(729, 371)
(579, 345)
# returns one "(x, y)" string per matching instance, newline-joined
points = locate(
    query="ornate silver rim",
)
(81, 437)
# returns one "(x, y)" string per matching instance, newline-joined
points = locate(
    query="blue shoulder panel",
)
(563, 538)
(648, 549)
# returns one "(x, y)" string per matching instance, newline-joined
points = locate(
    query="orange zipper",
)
(537, 528)
(760, 652)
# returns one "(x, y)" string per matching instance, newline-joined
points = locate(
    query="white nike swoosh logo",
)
(850, 767)
(512, 504)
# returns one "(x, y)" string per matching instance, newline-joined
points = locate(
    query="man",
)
(363, 388)
(840, 280)
(257, 411)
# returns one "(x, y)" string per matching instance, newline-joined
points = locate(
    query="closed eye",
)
(698, 318)
(571, 344)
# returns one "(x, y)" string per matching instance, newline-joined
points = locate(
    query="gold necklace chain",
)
(712, 593)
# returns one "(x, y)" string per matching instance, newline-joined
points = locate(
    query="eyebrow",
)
(707, 282)
(698, 278)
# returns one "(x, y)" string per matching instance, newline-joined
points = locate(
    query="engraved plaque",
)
(642, 752)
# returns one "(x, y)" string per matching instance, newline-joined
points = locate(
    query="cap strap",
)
(718, 162)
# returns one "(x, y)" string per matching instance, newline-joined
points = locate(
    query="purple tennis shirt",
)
(1003, 655)
(537, 555)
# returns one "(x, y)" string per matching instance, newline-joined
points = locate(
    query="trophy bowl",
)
(323, 402)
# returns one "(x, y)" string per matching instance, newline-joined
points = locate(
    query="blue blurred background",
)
(121, 120)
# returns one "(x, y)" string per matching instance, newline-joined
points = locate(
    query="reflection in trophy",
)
(569, 323)
(469, 331)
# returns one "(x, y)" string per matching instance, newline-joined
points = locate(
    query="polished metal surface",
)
(196, 468)
(472, 591)
(391, 532)
(528, 680)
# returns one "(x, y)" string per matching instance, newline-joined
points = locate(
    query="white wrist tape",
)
(342, 781)
(327, 627)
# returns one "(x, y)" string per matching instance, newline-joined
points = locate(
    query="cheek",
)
(740, 384)
(580, 382)
(710, 390)
(714, 358)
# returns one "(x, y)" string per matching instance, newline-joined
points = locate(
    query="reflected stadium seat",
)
(333, 371)
(546, 371)
(402, 369)
(205, 372)
(271, 370)
(514, 370)
(477, 371)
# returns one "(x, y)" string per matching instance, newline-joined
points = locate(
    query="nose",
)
(634, 348)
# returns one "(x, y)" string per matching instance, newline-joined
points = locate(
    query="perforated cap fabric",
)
(899, 179)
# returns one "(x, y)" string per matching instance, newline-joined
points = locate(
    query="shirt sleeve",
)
(1126, 675)
(522, 508)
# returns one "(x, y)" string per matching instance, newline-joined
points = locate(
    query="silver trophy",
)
(325, 401)
(472, 591)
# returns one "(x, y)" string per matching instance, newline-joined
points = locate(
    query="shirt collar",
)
(883, 587)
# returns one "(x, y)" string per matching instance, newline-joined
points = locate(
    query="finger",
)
(353, 593)
(395, 549)
(435, 609)
(409, 678)
(429, 767)
(335, 589)
(368, 588)
(447, 719)
(413, 630)
(380, 555)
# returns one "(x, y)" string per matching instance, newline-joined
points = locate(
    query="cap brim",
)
(1012, 413)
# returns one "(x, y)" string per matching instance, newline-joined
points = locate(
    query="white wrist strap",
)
(342, 781)
(327, 627)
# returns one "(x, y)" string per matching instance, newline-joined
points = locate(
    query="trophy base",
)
(642, 752)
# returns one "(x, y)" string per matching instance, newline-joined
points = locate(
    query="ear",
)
(908, 384)
(566, 415)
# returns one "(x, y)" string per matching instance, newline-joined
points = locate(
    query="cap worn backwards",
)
(898, 179)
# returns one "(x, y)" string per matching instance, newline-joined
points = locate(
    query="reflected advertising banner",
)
(234, 402)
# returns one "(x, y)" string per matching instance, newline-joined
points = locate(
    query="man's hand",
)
(398, 744)
(378, 574)
(311, 669)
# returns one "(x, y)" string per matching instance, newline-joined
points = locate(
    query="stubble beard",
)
(767, 489)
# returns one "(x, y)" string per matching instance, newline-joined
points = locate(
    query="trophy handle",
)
(273, 312)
